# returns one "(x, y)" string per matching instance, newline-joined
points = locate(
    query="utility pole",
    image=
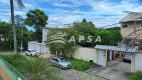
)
(22, 37)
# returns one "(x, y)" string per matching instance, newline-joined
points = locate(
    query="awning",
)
(116, 48)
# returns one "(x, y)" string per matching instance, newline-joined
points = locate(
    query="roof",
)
(53, 28)
(116, 48)
(132, 16)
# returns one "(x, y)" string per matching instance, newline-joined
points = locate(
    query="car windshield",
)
(62, 60)
(33, 50)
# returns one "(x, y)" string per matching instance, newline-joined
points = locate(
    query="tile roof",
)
(116, 48)
(132, 16)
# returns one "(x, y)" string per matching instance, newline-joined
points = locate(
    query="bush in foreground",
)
(16, 60)
(32, 68)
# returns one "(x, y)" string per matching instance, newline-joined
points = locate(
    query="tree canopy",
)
(6, 38)
(36, 18)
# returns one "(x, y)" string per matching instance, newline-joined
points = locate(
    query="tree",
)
(39, 69)
(85, 29)
(7, 35)
(84, 21)
(19, 20)
(59, 44)
(21, 5)
(37, 19)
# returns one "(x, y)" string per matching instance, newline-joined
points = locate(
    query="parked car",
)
(32, 52)
(127, 57)
(60, 62)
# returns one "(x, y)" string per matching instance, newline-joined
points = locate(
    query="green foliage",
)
(110, 36)
(79, 64)
(136, 76)
(7, 34)
(39, 69)
(37, 19)
(32, 68)
(16, 60)
(59, 44)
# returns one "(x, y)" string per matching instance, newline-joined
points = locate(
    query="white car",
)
(32, 52)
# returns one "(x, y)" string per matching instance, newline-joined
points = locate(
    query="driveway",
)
(115, 70)
(72, 74)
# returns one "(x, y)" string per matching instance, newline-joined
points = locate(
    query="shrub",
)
(136, 76)
(16, 60)
(79, 64)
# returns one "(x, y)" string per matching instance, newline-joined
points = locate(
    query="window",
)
(141, 26)
(62, 60)
(52, 58)
(56, 60)
(124, 26)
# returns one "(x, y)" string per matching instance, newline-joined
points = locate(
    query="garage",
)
(101, 57)
(112, 56)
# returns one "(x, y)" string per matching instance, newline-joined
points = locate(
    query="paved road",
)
(115, 70)
(72, 74)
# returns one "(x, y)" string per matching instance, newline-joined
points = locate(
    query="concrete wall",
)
(86, 54)
(130, 28)
(40, 47)
(138, 61)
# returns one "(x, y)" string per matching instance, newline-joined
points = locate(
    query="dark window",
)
(56, 60)
(52, 58)
(28, 50)
(124, 26)
(141, 25)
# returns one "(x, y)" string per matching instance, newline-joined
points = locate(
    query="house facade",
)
(129, 22)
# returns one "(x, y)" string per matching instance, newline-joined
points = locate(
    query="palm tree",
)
(39, 69)
(21, 5)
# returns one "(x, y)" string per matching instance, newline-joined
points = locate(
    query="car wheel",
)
(27, 54)
(60, 67)
(124, 60)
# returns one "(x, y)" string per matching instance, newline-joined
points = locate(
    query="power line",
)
(109, 25)
(70, 12)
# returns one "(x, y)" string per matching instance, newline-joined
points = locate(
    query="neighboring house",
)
(106, 53)
(131, 20)
(45, 31)
(67, 25)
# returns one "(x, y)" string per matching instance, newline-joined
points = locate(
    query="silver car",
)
(127, 57)
(60, 62)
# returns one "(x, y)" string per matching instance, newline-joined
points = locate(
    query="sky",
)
(100, 12)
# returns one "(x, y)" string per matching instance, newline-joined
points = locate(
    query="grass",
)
(5, 49)
(79, 64)
(136, 76)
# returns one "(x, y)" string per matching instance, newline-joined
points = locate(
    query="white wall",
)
(40, 47)
(138, 61)
(86, 54)
(44, 34)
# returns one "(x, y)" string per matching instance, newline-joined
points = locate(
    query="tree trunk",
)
(13, 25)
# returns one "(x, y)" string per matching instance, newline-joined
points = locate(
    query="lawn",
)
(79, 64)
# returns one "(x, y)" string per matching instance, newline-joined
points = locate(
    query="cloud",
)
(100, 12)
